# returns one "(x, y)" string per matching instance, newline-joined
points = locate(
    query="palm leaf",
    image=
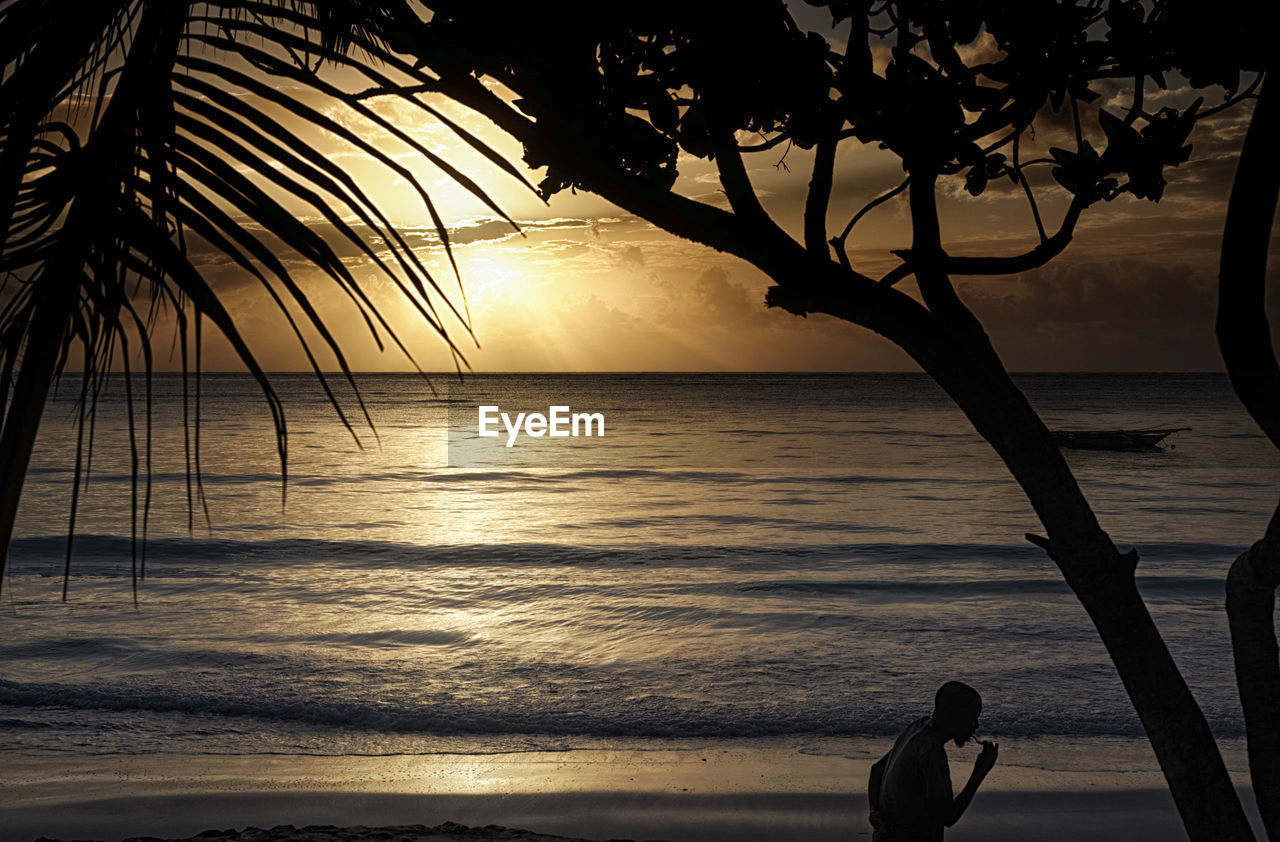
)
(131, 130)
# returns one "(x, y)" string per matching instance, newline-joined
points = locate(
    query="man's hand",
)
(987, 759)
(878, 822)
(950, 810)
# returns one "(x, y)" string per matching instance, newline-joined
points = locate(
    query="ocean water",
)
(740, 556)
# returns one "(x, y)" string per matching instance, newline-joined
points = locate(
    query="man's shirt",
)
(915, 770)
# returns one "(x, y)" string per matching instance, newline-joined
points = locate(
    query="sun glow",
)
(495, 281)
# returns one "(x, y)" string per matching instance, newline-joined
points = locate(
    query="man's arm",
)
(949, 810)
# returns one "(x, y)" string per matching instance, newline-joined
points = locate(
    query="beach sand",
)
(722, 790)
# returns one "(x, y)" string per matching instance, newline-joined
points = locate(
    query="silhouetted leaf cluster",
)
(130, 129)
(943, 84)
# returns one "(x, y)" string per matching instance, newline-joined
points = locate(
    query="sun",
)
(497, 282)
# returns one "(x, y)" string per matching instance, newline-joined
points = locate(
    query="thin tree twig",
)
(839, 242)
(1026, 188)
(766, 144)
(1248, 93)
(1135, 108)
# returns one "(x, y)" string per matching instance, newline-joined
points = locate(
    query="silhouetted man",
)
(910, 788)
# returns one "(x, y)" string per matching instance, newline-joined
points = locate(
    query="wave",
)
(1155, 586)
(166, 555)
(140, 654)
(636, 716)
(742, 520)
(56, 475)
(391, 638)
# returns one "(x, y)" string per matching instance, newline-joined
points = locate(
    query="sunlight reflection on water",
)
(747, 556)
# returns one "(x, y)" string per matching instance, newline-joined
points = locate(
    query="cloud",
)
(723, 303)
(1091, 293)
(633, 257)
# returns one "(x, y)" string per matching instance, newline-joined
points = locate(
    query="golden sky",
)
(591, 288)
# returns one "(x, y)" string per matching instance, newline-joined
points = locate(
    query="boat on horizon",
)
(1113, 439)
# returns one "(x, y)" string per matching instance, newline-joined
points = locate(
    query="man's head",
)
(956, 708)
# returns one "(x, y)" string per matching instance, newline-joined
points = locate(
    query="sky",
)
(587, 287)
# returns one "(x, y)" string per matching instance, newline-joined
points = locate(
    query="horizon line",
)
(583, 372)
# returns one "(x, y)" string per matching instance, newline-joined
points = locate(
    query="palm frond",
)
(132, 130)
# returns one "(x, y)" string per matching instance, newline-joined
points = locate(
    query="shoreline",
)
(1103, 789)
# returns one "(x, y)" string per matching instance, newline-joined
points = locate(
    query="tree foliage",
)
(132, 130)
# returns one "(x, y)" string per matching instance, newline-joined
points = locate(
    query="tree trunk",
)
(1103, 580)
(1251, 605)
(963, 361)
(1244, 337)
(45, 337)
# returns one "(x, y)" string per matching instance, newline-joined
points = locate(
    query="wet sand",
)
(742, 791)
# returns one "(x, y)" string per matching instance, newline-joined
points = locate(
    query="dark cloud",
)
(1123, 314)
(725, 304)
(488, 230)
(1102, 294)
(222, 270)
(632, 257)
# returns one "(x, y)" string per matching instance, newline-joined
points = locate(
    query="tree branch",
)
(1033, 259)
(766, 144)
(819, 198)
(1244, 335)
(1247, 93)
(927, 255)
(840, 293)
(733, 174)
(899, 272)
(1026, 188)
(752, 235)
(839, 242)
(857, 55)
(1135, 107)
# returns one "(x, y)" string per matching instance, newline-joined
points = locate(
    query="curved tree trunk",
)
(1251, 605)
(967, 366)
(1244, 337)
(1103, 580)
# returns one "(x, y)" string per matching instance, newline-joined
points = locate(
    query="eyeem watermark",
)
(559, 422)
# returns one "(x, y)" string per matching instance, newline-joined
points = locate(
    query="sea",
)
(738, 556)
